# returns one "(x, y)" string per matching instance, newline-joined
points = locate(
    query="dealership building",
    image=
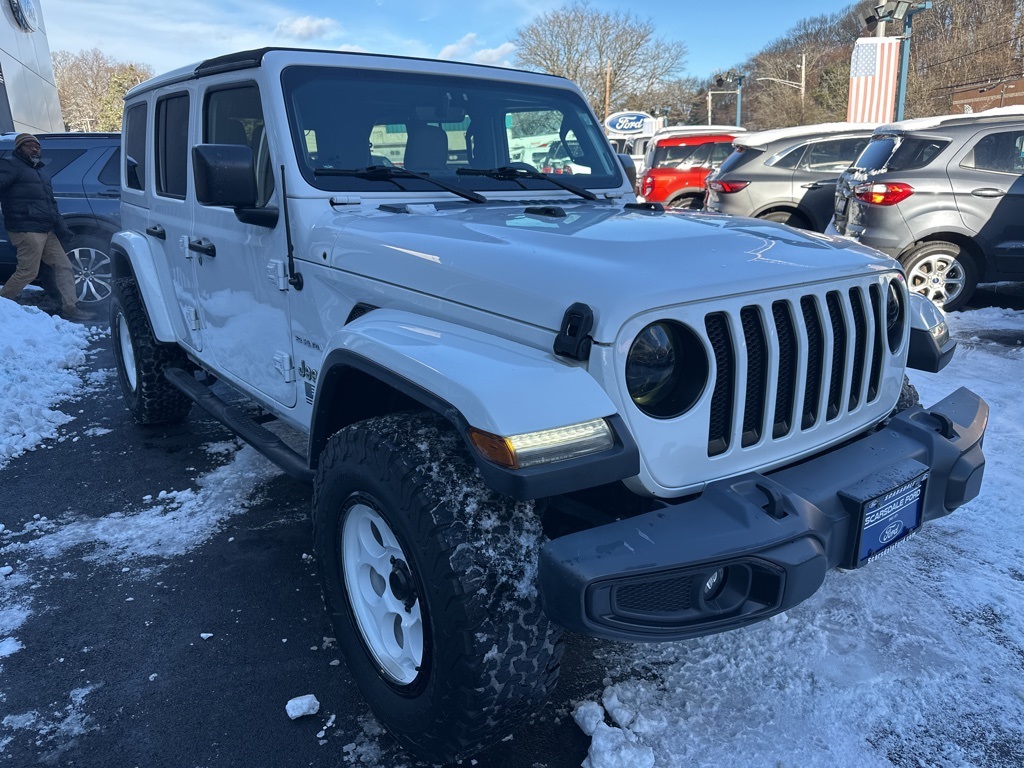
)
(28, 94)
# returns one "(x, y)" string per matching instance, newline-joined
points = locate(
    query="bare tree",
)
(613, 57)
(91, 86)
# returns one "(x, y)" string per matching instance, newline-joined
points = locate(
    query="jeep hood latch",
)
(573, 339)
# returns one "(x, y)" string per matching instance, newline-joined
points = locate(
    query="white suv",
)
(528, 402)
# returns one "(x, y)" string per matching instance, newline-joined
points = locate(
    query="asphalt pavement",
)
(114, 672)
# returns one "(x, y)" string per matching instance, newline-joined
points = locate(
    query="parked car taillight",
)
(728, 187)
(648, 186)
(883, 194)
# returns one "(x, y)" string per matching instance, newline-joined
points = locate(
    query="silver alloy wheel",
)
(939, 276)
(381, 594)
(127, 352)
(93, 274)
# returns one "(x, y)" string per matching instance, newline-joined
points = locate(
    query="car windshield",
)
(345, 119)
(895, 153)
(672, 157)
(739, 156)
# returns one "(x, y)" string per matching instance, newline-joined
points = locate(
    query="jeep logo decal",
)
(308, 373)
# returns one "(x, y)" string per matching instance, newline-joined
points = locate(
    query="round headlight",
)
(666, 370)
(895, 314)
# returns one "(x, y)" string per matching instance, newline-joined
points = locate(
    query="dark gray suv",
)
(85, 171)
(786, 175)
(943, 195)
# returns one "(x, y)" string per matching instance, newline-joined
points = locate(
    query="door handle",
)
(988, 192)
(202, 246)
(820, 184)
(157, 231)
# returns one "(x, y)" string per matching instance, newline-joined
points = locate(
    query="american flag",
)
(873, 80)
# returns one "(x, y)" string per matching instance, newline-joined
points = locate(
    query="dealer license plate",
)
(889, 518)
(841, 202)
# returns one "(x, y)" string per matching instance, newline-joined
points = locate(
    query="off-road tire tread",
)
(155, 400)
(508, 652)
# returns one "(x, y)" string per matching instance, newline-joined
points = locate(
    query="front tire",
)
(429, 579)
(141, 360)
(943, 272)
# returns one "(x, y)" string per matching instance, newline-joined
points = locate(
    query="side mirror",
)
(225, 175)
(630, 168)
(930, 345)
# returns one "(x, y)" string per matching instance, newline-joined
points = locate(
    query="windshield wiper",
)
(390, 173)
(508, 173)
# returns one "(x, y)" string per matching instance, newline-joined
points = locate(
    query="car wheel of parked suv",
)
(90, 260)
(790, 218)
(942, 272)
(690, 203)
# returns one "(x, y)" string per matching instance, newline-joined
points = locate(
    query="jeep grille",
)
(835, 327)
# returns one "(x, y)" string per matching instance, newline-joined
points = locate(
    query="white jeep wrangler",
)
(531, 403)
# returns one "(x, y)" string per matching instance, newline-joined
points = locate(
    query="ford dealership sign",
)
(627, 122)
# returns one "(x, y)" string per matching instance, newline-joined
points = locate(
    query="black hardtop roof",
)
(250, 59)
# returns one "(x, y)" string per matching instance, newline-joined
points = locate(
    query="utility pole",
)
(908, 28)
(607, 89)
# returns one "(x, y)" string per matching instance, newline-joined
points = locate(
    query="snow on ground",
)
(913, 661)
(38, 355)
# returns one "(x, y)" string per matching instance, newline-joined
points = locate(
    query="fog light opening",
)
(714, 585)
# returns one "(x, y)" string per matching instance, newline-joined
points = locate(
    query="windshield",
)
(740, 155)
(899, 154)
(672, 157)
(347, 119)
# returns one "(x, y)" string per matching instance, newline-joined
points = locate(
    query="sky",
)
(912, 661)
(168, 35)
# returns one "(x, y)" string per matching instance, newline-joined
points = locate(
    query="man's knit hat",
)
(22, 138)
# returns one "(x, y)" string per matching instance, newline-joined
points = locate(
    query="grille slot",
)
(757, 375)
(860, 343)
(835, 386)
(720, 425)
(823, 354)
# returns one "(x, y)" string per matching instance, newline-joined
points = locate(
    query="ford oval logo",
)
(627, 122)
(891, 531)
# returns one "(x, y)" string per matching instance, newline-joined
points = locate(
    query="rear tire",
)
(790, 218)
(141, 360)
(687, 203)
(429, 579)
(90, 261)
(943, 272)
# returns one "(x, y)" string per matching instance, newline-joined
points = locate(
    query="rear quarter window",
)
(56, 160)
(899, 154)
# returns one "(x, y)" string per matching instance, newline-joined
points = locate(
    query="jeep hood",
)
(531, 266)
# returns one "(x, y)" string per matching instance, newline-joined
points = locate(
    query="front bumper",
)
(763, 543)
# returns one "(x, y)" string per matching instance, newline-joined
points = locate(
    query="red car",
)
(678, 163)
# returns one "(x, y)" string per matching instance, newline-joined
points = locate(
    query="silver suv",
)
(786, 175)
(943, 195)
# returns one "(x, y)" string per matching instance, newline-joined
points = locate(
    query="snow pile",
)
(37, 356)
(301, 706)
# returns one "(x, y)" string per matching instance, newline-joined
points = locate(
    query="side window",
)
(791, 158)
(172, 146)
(700, 157)
(135, 147)
(998, 152)
(832, 156)
(235, 116)
(56, 160)
(111, 172)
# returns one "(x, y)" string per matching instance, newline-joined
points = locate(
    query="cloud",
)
(500, 56)
(466, 49)
(460, 49)
(307, 27)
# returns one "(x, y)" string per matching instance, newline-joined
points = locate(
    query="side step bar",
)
(260, 438)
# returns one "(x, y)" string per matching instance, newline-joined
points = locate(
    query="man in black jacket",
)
(34, 224)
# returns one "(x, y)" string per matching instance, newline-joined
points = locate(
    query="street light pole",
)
(908, 27)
